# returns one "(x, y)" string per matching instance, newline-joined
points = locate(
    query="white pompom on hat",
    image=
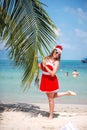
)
(59, 48)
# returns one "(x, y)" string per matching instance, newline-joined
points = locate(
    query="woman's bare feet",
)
(71, 93)
(50, 116)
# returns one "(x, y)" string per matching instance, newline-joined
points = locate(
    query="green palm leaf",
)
(29, 31)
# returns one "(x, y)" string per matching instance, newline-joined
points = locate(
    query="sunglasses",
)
(56, 52)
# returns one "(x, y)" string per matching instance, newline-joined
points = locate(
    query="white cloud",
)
(79, 12)
(68, 46)
(59, 32)
(82, 35)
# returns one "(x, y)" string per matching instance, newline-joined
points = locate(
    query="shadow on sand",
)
(33, 110)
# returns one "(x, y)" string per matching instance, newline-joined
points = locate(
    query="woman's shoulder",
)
(56, 62)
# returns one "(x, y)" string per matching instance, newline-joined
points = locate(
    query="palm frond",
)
(29, 30)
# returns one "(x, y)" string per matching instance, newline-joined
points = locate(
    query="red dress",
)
(48, 83)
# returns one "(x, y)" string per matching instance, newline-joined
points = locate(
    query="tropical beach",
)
(29, 30)
(30, 109)
(35, 116)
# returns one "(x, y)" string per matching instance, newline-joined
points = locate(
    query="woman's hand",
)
(53, 72)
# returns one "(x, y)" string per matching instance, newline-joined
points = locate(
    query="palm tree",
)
(28, 30)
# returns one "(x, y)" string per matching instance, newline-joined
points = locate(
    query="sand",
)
(34, 116)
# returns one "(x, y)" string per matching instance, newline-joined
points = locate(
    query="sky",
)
(70, 17)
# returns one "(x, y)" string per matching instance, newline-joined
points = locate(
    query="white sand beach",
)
(35, 116)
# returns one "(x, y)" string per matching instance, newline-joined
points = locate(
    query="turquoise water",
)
(10, 79)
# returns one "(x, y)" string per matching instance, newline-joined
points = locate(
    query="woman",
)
(49, 82)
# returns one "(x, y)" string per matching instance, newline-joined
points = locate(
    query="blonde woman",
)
(49, 81)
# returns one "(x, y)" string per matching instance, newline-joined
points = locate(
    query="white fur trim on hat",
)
(59, 48)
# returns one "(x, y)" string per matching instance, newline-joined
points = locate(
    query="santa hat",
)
(59, 48)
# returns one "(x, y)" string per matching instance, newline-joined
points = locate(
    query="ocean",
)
(12, 92)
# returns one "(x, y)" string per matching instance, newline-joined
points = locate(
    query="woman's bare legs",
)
(51, 104)
(68, 93)
(53, 95)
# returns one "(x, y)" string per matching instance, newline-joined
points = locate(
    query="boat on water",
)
(84, 60)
